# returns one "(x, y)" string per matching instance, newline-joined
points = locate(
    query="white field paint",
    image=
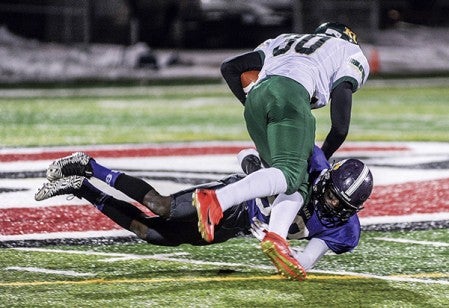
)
(114, 257)
(166, 257)
(63, 235)
(217, 165)
(406, 241)
(48, 271)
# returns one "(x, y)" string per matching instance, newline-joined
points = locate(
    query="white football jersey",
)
(317, 61)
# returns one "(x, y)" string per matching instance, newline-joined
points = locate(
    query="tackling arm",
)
(341, 103)
(232, 68)
(312, 253)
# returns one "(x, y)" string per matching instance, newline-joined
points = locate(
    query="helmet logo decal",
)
(351, 34)
(338, 164)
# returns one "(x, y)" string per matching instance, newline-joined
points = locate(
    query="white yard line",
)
(65, 235)
(401, 240)
(387, 278)
(114, 257)
(49, 271)
(421, 217)
(168, 257)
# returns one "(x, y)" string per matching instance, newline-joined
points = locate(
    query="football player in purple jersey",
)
(328, 220)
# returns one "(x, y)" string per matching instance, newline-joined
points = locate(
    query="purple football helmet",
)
(348, 183)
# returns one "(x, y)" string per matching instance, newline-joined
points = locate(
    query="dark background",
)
(208, 24)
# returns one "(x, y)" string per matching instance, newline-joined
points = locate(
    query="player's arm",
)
(312, 253)
(232, 68)
(341, 104)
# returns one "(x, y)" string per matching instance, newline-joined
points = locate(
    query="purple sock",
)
(104, 174)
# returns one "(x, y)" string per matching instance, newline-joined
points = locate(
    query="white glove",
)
(258, 229)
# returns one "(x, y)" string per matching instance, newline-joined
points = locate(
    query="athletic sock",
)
(92, 194)
(262, 183)
(285, 208)
(104, 174)
(119, 211)
(133, 187)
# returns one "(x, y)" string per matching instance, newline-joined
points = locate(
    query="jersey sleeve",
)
(264, 47)
(355, 70)
(343, 238)
(231, 70)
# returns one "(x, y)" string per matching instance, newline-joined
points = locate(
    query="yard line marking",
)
(425, 275)
(401, 240)
(166, 257)
(118, 256)
(158, 257)
(395, 278)
(48, 271)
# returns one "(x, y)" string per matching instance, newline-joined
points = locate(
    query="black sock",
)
(119, 211)
(133, 187)
(91, 193)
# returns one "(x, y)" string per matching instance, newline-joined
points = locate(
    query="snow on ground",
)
(403, 50)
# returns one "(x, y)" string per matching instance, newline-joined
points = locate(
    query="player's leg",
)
(269, 117)
(154, 230)
(210, 204)
(81, 164)
(124, 214)
(181, 228)
(290, 139)
(291, 135)
(286, 142)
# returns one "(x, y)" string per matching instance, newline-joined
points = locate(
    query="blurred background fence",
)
(60, 40)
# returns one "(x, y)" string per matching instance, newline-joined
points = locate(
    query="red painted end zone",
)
(168, 151)
(409, 198)
(53, 219)
(392, 200)
(64, 218)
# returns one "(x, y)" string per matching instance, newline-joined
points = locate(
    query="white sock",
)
(262, 183)
(285, 208)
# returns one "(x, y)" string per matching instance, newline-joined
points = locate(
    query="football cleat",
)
(279, 252)
(64, 186)
(75, 164)
(209, 212)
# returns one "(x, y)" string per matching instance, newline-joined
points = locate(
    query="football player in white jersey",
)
(298, 72)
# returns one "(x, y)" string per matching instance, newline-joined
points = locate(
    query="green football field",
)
(191, 113)
(406, 268)
(388, 269)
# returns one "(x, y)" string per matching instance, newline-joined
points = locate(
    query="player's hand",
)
(317, 162)
(258, 229)
(249, 160)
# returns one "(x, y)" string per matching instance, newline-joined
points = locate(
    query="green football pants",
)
(280, 122)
